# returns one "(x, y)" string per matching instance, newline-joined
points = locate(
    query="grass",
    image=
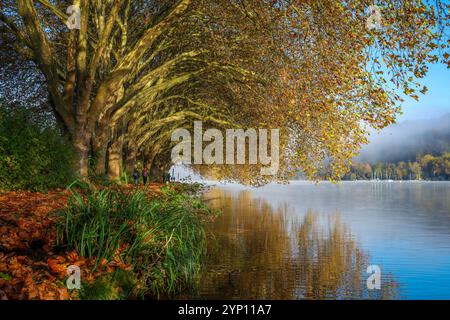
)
(162, 238)
(115, 286)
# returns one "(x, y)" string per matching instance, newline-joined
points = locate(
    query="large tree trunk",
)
(115, 154)
(100, 148)
(81, 139)
(131, 158)
(81, 145)
(100, 153)
(155, 172)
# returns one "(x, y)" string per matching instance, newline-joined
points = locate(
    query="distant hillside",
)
(403, 141)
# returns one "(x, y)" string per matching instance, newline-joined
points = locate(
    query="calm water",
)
(315, 241)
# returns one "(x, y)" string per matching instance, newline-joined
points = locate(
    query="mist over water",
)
(405, 140)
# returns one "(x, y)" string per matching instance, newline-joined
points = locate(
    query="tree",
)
(426, 163)
(136, 70)
(338, 76)
(415, 170)
(402, 171)
(101, 59)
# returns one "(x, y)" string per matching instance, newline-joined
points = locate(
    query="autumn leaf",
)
(57, 266)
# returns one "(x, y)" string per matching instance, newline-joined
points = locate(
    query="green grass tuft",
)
(164, 237)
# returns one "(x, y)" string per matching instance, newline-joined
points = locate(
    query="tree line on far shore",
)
(135, 71)
(426, 167)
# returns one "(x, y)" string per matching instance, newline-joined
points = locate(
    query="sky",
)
(436, 102)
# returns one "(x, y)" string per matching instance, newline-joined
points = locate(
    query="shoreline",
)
(34, 261)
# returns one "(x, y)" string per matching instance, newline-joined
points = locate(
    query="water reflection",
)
(259, 252)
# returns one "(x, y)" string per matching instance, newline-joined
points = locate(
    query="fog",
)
(403, 141)
(398, 142)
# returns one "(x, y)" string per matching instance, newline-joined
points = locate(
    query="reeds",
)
(162, 238)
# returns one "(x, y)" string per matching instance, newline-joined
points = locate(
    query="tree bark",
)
(100, 167)
(81, 145)
(100, 148)
(115, 154)
(131, 158)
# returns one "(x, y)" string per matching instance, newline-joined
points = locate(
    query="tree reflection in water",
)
(258, 252)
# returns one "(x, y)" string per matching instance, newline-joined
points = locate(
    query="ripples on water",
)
(260, 251)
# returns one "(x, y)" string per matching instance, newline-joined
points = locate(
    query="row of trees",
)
(427, 167)
(137, 70)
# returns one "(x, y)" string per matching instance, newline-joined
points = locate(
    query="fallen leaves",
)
(31, 266)
(28, 279)
(25, 222)
(57, 266)
(26, 238)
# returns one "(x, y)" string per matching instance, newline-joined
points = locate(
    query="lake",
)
(315, 241)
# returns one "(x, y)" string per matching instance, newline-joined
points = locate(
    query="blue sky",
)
(436, 101)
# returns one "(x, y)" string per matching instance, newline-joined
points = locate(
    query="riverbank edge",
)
(34, 266)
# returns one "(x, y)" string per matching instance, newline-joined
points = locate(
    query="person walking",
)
(136, 177)
(145, 176)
